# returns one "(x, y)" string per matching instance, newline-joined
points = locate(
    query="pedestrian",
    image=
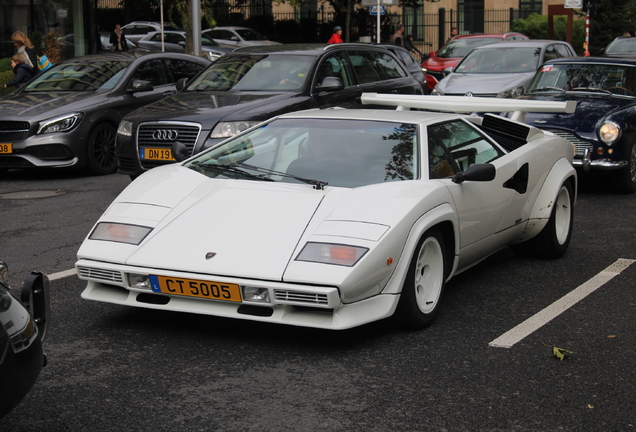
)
(453, 33)
(398, 36)
(410, 47)
(336, 37)
(26, 50)
(22, 71)
(118, 40)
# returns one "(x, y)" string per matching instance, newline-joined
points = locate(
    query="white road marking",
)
(62, 274)
(511, 337)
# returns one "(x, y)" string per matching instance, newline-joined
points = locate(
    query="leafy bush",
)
(5, 77)
(536, 27)
(5, 65)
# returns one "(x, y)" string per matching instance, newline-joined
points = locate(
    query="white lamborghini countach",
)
(335, 218)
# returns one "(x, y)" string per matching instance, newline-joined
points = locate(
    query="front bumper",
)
(291, 304)
(41, 151)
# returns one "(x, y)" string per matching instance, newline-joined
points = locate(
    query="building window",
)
(471, 16)
(527, 7)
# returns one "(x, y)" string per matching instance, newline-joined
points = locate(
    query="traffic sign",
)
(373, 10)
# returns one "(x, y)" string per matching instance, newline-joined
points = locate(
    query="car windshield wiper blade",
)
(591, 89)
(317, 184)
(545, 89)
(233, 169)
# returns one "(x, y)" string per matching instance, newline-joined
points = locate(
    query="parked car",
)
(502, 69)
(622, 46)
(413, 66)
(438, 64)
(249, 86)
(23, 329)
(237, 36)
(602, 128)
(67, 116)
(137, 29)
(335, 218)
(68, 44)
(175, 41)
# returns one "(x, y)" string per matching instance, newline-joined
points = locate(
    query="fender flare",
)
(561, 172)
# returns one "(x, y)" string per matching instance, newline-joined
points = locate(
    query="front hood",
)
(41, 105)
(483, 83)
(208, 107)
(439, 63)
(591, 109)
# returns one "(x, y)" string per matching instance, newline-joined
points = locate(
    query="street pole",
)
(377, 26)
(587, 33)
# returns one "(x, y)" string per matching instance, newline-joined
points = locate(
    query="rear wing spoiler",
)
(468, 104)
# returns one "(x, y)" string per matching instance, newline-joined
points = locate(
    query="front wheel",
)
(554, 239)
(101, 150)
(626, 177)
(424, 284)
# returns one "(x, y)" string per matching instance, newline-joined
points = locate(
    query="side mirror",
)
(140, 86)
(476, 172)
(331, 84)
(36, 293)
(181, 83)
(179, 151)
(182, 43)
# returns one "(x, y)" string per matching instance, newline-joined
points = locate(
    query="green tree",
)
(536, 27)
(610, 18)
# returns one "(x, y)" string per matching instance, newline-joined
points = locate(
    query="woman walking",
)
(26, 49)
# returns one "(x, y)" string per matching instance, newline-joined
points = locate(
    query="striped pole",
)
(587, 33)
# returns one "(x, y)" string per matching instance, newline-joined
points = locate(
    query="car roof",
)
(230, 28)
(604, 60)
(127, 56)
(522, 43)
(382, 115)
(488, 35)
(307, 49)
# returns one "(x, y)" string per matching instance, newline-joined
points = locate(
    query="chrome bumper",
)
(586, 163)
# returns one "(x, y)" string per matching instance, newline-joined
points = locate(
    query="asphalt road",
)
(117, 368)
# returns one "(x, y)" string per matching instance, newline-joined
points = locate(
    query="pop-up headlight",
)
(120, 233)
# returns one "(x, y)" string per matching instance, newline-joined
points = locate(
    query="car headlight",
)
(329, 253)
(120, 233)
(511, 93)
(609, 132)
(437, 92)
(125, 128)
(229, 129)
(60, 124)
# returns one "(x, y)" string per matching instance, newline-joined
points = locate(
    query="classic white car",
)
(335, 218)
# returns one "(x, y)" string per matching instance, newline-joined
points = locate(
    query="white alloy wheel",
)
(429, 275)
(563, 215)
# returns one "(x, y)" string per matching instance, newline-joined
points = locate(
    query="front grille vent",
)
(100, 274)
(580, 143)
(301, 297)
(13, 130)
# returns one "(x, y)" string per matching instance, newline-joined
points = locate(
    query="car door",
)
(173, 42)
(335, 65)
(490, 212)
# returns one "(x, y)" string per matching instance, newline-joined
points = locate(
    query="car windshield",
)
(608, 78)
(345, 153)
(250, 35)
(79, 75)
(461, 47)
(254, 73)
(622, 46)
(500, 60)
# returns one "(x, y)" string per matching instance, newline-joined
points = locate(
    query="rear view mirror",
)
(140, 86)
(476, 172)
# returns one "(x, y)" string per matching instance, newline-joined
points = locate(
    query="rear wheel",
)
(424, 284)
(101, 150)
(626, 177)
(554, 239)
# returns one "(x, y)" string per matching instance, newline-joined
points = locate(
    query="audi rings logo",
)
(469, 94)
(165, 135)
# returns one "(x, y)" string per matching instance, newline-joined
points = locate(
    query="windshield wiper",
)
(591, 89)
(233, 169)
(317, 184)
(542, 89)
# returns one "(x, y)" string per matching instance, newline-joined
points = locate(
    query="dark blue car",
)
(603, 127)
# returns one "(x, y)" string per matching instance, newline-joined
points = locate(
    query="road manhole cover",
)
(32, 194)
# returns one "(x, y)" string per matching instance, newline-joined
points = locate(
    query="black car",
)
(67, 116)
(412, 65)
(622, 46)
(21, 335)
(603, 127)
(251, 85)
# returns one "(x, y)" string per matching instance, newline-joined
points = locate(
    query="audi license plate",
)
(6, 148)
(195, 288)
(155, 154)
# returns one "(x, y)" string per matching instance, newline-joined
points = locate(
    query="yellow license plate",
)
(6, 148)
(147, 153)
(195, 288)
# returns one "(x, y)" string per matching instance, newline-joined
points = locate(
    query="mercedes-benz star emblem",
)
(469, 94)
(210, 255)
(165, 135)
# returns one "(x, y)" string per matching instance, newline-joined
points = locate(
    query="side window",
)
(182, 69)
(550, 54)
(155, 37)
(174, 38)
(564, 51)
(439, 162)
(336, 66)
(389, 65)
(362, 63)
(152, 71)
(464, 144)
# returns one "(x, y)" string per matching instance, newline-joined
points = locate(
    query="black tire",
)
(553, 241)
(101, 150)
(424, 284)
(626, 177)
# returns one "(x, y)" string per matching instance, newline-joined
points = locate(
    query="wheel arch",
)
(561, 172)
